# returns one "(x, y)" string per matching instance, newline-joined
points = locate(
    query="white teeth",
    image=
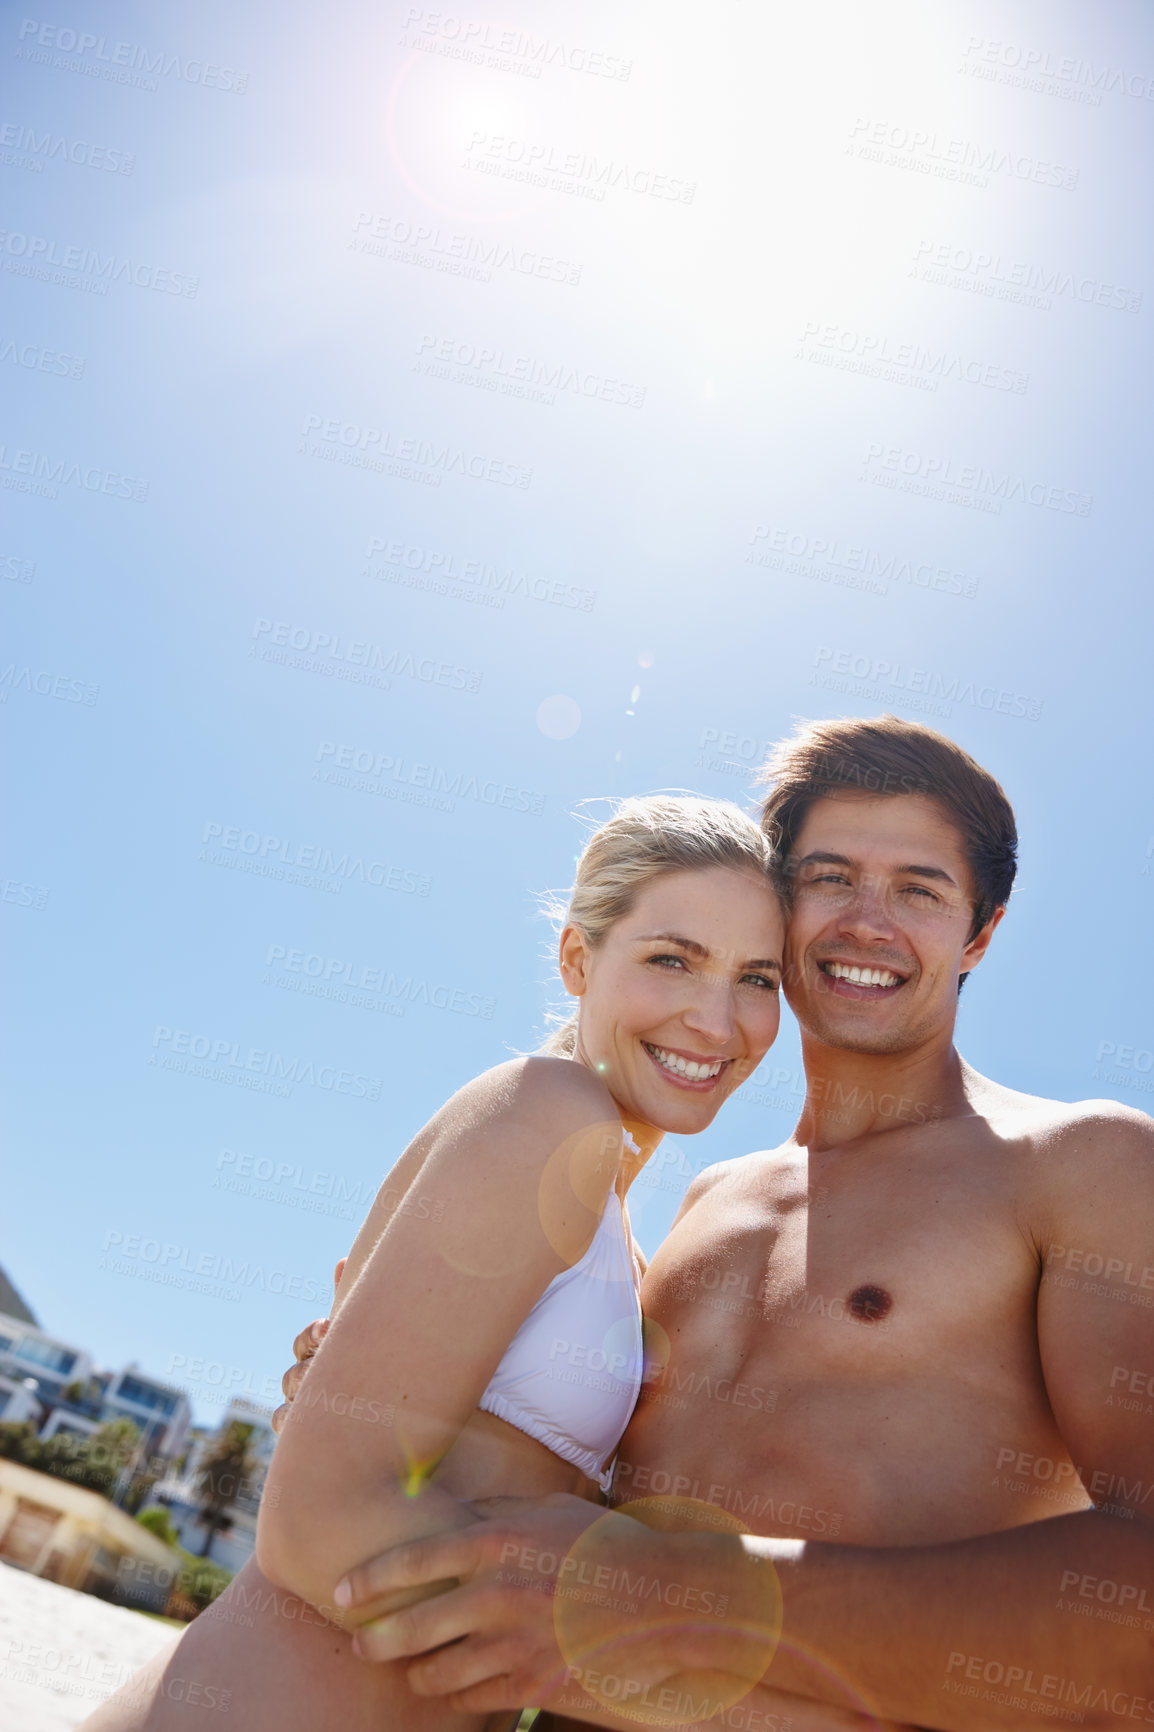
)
(685, 1067)
(862, 976)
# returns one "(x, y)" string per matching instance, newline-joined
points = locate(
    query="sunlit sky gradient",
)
(739, 351)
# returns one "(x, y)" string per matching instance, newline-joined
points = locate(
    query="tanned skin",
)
(913, 1349)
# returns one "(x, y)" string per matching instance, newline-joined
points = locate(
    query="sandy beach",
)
(62, 1653)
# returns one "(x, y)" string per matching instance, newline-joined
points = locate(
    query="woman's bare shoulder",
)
(557, 1095)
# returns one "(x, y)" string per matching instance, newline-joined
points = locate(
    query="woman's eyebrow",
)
(696, 949)
(689, 944)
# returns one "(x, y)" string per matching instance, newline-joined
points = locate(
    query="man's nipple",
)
(869, 1304)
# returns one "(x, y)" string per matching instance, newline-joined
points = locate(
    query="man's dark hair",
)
(886, 755)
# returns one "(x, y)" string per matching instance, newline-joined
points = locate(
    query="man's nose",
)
(867, 914)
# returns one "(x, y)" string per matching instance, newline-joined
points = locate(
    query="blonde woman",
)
(486, 1335)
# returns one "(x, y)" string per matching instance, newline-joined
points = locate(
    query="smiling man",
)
(910, 1353)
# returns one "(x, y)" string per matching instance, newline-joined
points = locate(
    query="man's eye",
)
(920, 890)
(829, 878)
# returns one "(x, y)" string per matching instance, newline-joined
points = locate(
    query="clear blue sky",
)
(699, 372)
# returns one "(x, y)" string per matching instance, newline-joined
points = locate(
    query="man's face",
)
(879, 930)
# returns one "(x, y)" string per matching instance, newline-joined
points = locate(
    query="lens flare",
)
(620, 1597)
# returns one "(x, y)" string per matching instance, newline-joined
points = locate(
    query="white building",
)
(232, 1547)
(56, 1387)
(35, 1368)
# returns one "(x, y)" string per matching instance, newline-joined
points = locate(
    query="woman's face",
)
(680, 1002)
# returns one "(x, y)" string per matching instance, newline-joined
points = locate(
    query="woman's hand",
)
(304, 1347)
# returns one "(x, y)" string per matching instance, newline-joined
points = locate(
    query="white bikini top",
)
(572, 1373)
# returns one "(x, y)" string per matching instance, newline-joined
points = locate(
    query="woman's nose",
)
(712, 1012)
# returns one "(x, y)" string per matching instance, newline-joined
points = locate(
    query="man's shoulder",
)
(1098, 1128)
(1056, 1126)
(1074, 1155)
(734, 1177)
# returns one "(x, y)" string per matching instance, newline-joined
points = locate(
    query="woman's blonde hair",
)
(646, 837)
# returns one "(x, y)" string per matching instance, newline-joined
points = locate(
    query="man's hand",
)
(505, 1612)
(304, 1347)
(592, 1611)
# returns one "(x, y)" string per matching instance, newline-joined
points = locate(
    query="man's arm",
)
(983, 1633)
(963, 1637)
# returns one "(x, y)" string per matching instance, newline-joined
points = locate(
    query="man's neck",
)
(855, 1094)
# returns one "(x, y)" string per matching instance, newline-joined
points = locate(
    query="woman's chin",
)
(683, 1117)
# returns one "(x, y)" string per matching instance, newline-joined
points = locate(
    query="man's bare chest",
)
(835, 1276)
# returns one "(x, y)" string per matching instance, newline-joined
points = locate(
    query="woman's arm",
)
(500, 1192)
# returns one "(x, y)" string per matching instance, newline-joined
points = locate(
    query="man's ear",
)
(573, 960)
(980, 942)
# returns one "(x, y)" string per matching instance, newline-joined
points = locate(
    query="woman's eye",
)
(759, 980)
(668, 961)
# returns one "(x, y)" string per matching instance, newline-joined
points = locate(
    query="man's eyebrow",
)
(820, 858)
(928, 872)
(696, 949)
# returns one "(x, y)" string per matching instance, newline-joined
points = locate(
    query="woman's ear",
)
(573, 960)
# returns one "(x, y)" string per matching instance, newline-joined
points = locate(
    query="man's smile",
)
(860, 980)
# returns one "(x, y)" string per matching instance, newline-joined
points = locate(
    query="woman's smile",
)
(697, 1072)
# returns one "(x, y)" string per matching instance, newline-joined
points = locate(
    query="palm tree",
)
(227, 1466)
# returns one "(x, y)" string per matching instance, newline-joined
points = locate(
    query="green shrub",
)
(200, 1581)
(158, 1521)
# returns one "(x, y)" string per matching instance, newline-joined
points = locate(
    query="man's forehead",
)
(894, 829)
